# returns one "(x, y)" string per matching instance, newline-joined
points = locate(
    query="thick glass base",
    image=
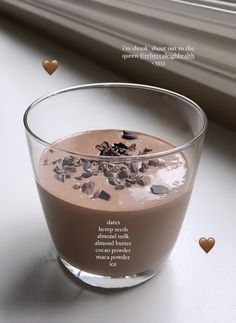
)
(111, 282)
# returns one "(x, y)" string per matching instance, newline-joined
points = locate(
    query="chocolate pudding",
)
(113, 217)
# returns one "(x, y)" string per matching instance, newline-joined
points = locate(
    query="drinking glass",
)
(124, 235)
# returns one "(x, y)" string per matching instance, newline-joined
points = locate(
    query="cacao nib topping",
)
(142, 169)
(68, 161)
(159, 189)
(120, 176)
(142, 180)
(60, 177)
(87, 174)
(104, 196)
(86, 165)
(128, 135)
(115, 149)
(130, 181)
(88, 187)
(133, 168)
(120, 187)
(82, 161)
(76, 186)
(157, 162)
(45, 162)
(113, 181)
(132, 147)
(145, 151)
(153, 162)
(71, 169)
(78, 178)
(56, 161)
(58, 170)
(120, 145)
(145, 165)
(123, 173)
(107, 173)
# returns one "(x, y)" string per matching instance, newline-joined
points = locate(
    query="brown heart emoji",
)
(206, 244)
(50, 66)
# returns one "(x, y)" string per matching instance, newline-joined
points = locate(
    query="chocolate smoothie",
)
(113, 218)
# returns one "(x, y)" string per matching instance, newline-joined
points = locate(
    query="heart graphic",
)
(206, 244)
(50, 66)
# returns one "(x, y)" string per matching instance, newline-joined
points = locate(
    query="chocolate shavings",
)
(115, 149)
(145, 151)
(60, 177)
(76, 186)
(159, 189)
(87, 174)
(88, 187)
(142, 180)
(104, 196)
(128, 135)
(120, 176)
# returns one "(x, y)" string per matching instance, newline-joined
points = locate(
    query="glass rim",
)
(177, 149)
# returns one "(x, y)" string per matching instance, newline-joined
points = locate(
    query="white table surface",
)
(194, 287)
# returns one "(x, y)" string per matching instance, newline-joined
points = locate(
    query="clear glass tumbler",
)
(114, 165)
